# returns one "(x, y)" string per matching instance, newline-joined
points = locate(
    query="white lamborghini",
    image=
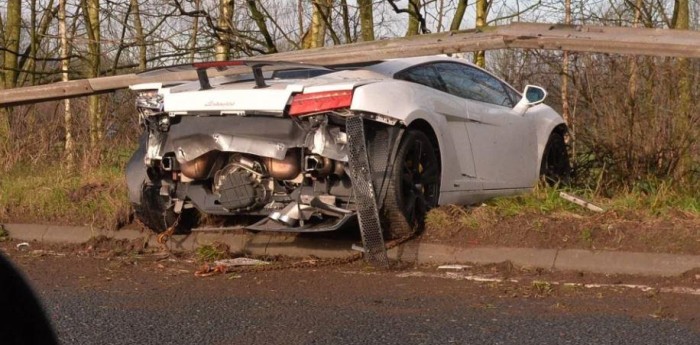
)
(269, 146)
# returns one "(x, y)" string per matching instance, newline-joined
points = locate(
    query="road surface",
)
(143, 299)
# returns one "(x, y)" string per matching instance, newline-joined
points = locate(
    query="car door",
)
(460, 173)
(503, 142)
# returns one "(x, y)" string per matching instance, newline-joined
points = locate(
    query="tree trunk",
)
(366, 20)
(441, 15)
(225, 24)
(482, 10)
(259, 19)
(300, 22)
(28, 64)
(632, 84)
(195, 31)
(413, 21)
(65, 64)
(459, 15)
(565, 70)
(346, 21)
(681, 21)
(316, 35)
(13, 26)
(91, 13)
(33, 43)
(140, 39)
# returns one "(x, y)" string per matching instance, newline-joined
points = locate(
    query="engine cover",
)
(239, 189)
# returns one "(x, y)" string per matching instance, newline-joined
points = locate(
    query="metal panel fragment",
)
(367, 210)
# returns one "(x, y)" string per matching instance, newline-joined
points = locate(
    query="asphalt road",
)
(128, 300)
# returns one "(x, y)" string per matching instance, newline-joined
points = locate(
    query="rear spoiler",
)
(232, 67)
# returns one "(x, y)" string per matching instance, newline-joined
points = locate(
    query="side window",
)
(468, 82)
(424, 75)
(514, 95)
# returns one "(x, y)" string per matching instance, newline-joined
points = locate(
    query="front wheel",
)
(414, 186)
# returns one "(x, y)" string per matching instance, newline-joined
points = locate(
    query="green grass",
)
(211, 252)
(50, 195)
(661, 200)
(542, 200)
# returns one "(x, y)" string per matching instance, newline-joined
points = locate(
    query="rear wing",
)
(233, 67)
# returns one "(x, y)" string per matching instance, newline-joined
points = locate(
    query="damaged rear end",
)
(268, 147)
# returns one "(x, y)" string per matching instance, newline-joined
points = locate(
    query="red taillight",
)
(306, 103)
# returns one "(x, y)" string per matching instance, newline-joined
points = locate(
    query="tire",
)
(412, 189)
(156, 213)
(555, 167)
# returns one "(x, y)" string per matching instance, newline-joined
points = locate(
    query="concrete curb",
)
(607, 262)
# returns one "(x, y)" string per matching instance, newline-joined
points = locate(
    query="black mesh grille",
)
(361, 176)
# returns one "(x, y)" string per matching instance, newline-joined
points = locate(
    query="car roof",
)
(392, 66)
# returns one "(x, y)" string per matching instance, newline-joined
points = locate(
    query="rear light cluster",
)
(307, 103)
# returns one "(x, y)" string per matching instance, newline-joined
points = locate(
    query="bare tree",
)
(345, 13)
(366, 20)
(482, 12)
(13, 26)
(565, 69)
(459, 15)
(225, 25)
(316, 34)
(91, 15)
(195, 31)
(681, 21)
(414, 7)
(259, 19)
(65, 65)
(138, 32)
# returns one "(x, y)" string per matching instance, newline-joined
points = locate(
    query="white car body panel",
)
(221, 101)
(485, 150)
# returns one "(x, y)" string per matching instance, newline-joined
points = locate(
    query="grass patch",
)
(95, 197)
(212, 252)
(542, 200)
(660, 200)
(451, 219)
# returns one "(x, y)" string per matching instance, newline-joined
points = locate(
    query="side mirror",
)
(532, 95)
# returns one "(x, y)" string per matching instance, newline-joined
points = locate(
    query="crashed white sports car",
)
(292, 147)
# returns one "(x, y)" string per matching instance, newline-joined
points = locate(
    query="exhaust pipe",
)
(167, 163)
(284, 169)
(320, 165)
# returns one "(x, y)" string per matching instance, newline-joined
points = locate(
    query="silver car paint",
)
(486, 150)
(499, 151)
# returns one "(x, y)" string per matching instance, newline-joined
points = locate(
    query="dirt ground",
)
(677, 233)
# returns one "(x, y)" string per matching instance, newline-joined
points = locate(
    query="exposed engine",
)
(240, 186)
(288, 172)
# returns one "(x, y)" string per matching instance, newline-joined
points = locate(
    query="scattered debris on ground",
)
(454, 267)
(581, 202)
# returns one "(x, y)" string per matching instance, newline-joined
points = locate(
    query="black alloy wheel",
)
(414, 187)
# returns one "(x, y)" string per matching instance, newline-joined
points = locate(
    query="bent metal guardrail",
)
(580, 38)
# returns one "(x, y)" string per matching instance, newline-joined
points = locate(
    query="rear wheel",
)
(555, 167)
(156, 212)
(414, 186)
